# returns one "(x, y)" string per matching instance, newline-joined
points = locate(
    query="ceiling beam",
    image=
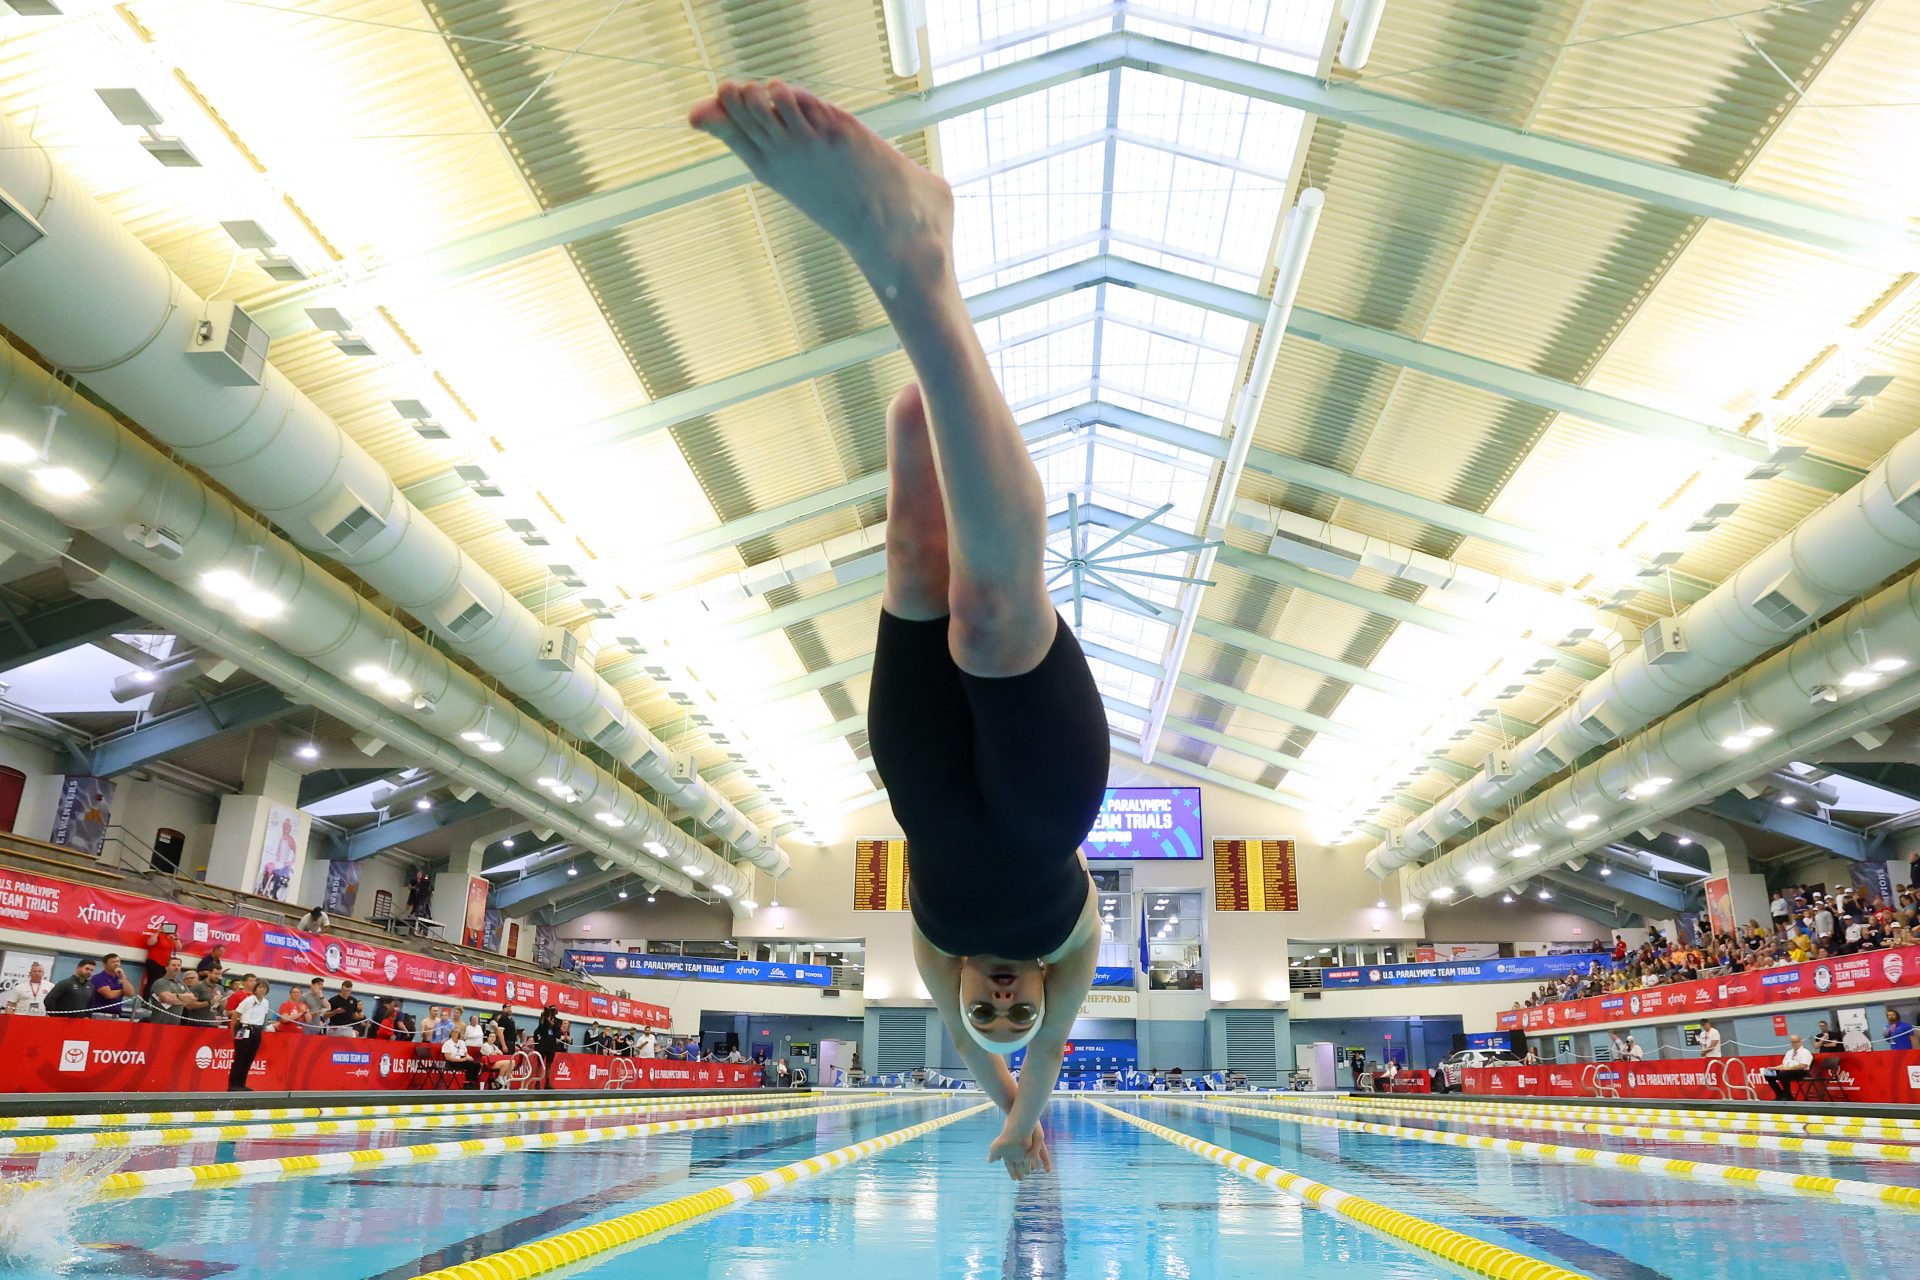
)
(208, 718)
(41, 633)
(1628, 884)
(1887, 245)
(537, 886)
(325, 784)
(412, 825)
(603, 896)
(1766, 815)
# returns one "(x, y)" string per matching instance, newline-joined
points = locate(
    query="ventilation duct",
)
(1861, 538)
(94, 300)
(320, 634)
(1690, 750)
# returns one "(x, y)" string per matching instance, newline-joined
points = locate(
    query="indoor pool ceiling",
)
(1515, 417)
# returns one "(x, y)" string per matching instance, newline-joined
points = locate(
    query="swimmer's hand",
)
(1024, 1155)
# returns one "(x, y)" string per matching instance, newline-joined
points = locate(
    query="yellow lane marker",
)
(1887, 1127)
(165, 1180)
(1767, 1179)
(1476, 1256)
(1468, 1114)
(40, 1144)
(519, 1098)
(572, 1247)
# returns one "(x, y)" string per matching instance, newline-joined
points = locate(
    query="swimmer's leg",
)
(896, 220)
(917, 568)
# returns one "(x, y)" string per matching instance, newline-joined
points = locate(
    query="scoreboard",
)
(880, 875)
(1254, 875)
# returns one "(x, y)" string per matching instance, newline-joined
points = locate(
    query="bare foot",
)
(894, 217)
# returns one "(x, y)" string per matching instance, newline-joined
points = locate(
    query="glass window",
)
(1171, 923)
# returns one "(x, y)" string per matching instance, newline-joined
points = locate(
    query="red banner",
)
(1813, 980)
(1845, 1077)
(592, 1071)
(63, 909)
(99, 1055)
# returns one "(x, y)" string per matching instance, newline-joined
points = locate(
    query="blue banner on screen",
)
(1146, 822)
(1092, 1055)
(1510, 969)
(1113, 975)
(1490, 1040)
(626, 964)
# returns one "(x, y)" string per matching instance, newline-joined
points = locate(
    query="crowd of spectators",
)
(1808, 923)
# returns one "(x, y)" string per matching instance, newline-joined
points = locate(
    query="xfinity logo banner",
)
(622, 964)
(91, 914)
(1507, 969)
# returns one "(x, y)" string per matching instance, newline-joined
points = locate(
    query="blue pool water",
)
(1122, 1204)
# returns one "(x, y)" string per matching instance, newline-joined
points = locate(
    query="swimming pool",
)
(1125, 1202)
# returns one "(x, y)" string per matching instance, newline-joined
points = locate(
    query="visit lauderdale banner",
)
(64, 909)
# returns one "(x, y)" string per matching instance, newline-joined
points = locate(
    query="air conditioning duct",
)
(322, 635)
(1690, 746)
(91, 297)
(1861, 538)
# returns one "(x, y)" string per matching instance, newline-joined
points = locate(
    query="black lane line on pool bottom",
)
(1574, 1251)
(511, 1235)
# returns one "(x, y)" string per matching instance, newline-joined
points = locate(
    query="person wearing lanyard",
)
(248, 1019)
(1899, 1031)
(30, 996)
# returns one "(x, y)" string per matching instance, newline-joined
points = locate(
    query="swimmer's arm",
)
(1069, 978)
(941, 974)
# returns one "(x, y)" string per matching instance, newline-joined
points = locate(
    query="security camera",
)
(1823, 693)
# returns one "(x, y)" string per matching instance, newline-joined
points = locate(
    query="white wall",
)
(1527, 923)
(1474, 1003)
(141, 806)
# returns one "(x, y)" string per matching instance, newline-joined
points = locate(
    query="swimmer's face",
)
(1003, 1000)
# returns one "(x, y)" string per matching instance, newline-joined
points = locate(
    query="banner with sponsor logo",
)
(1115, 975)
(63, 909)
(1864, 974)
(594, 1071)
(1509, 969)
(1848, 1077)
(623, 964)
(79, 1055)
(80, 819)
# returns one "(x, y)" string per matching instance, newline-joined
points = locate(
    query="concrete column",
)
(260, 836)
(1746, 897)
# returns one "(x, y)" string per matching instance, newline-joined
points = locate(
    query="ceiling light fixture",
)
(1606, 870)
(1545, 893)
(623, 894)
(573, 871)
(423, 804)
(307, 751)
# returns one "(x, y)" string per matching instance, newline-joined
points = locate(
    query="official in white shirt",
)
(1709, 1039)
(29, 996)
(1797, 1065)
(249, 1021)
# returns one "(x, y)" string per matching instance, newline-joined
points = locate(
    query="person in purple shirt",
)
(113, 990)
(1899, 1031)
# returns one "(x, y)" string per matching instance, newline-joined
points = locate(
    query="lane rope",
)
(143, 1119)
(42, 1144)
(572, 1247)
(182, 1176)
(1476, 1256)
(1696, 1170)
(1890, 1128)
(1465, 1115)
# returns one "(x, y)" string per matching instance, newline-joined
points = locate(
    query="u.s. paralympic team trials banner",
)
(1877, 1077)
(1509, 969)
(627, 964)
(100, 1055)
(1863, 974)
(63, 909)
(1145, 822)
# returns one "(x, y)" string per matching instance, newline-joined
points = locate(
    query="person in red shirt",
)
(240, 990)
(1619, 950)
(159, 942)
(293, 1014)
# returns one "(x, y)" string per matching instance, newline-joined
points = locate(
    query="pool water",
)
(1123, 1203)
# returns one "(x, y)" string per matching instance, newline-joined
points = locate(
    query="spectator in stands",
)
(439, 1024)
(316, 921)
(248, 1020)
(419, 892)
(1899, 1032)
(1709, 1039)
(167, 994)
(454, 1050)
(30, 995)
(1796, 1065)
(380, 1022)
(344, 1015)
(112, 989)
(403, 1025)
(293, 1014)
(159, 942)
(214, 959)
(72, 996)
(315, 998)
(1532, 1059)
(201, 1006)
